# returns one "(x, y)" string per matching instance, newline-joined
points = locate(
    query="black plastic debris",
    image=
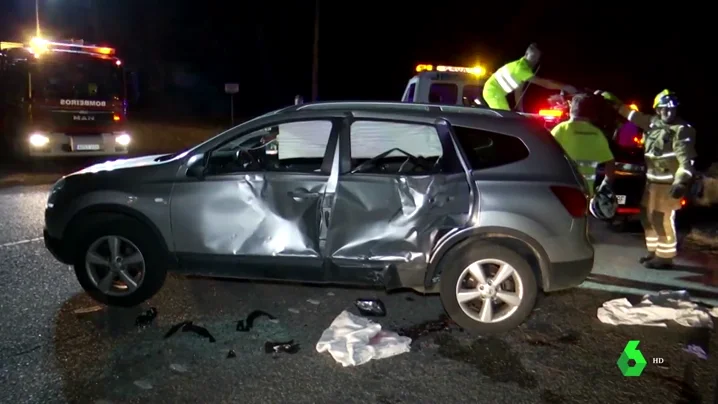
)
(146, 318)
(248, 323)
(231, 354)
(281, 347)
(187, 326)
(370, 307)
(175, 328)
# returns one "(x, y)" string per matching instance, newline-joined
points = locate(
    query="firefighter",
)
(585, 143)
(512, 76)
(669, 152)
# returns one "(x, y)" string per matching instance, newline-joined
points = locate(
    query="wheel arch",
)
(107, 212)
(521, 243)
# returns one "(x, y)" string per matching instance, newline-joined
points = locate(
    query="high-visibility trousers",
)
(658, 212)
(496, 100)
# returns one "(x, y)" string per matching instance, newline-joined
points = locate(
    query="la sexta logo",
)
(83, 103)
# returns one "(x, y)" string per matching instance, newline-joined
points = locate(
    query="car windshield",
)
(76, 76)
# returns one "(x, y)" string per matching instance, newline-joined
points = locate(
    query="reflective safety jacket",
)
(585, 144)
(669, 149)
(508, 78)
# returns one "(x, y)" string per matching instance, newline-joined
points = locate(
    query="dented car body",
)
(347, 193)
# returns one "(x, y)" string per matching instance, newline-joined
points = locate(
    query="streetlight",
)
(315, 61)
(37, 18)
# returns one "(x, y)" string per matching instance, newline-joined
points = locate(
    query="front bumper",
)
(568, 274)
(56, 248)
(60, 144)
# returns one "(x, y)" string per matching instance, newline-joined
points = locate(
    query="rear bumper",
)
(569, 274)
(56, 248)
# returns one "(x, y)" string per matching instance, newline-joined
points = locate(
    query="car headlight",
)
(123, 139)
(38, 140)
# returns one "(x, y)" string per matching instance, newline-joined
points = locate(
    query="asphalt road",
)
(50, 353)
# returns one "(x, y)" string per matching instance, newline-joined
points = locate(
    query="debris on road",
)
(143, 384)
(178, 368)
(187, 326)
(86, 310)
(370, 307)
(231, 354)
(312, 301)
(293, 310)
(352, 340)
(281, 347)
(697, 351)
(146, 318)
(444, 323)
(248, 323)
(656, 310)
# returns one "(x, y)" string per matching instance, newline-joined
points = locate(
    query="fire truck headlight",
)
(123, 139)
(39, 140)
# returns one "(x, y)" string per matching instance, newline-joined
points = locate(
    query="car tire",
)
(453, 266)
(140, 238)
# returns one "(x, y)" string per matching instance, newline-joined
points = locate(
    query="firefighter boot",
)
(651, 255)
(659, 263)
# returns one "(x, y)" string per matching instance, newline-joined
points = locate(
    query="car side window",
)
(297, 147)
(486, 149)
(382, 147)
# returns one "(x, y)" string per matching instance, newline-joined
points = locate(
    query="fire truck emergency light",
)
(478, 71)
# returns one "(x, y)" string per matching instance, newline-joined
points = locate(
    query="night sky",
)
(368, 49)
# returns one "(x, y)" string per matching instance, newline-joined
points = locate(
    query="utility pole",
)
(315, 61)
(37, 18)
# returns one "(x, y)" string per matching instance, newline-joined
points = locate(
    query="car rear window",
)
(487, 149)
(443, 93)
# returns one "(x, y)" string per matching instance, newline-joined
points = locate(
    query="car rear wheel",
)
(487, 288)
(120, 263)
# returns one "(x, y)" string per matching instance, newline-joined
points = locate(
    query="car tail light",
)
(683, 202)
(573, 199)
(638, 141)
(551, 114)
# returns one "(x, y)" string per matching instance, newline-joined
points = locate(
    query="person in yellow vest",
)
(585, 143)
(511, 77)
(669, 152)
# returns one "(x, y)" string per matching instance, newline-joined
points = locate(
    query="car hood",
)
(121, 164)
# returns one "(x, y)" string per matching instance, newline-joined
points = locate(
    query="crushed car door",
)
(256, 212)
(405, 189)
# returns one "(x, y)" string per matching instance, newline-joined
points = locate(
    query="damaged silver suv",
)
(478, 205)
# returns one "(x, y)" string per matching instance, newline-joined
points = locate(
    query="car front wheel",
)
(119, 263)
(487, 288)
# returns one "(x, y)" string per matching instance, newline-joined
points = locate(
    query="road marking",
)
(21, 242)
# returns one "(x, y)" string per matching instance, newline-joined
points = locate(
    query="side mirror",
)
(197, 167)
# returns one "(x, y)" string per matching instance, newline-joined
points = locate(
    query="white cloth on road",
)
(656, 310)
(354, 340)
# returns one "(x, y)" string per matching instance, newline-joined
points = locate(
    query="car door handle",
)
(299, 194)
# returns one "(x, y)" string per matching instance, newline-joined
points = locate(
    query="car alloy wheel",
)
(115, 265)
(489, 290)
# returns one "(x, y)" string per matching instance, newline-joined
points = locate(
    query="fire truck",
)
(64, 98)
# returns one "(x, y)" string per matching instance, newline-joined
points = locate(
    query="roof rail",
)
(405, 106)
